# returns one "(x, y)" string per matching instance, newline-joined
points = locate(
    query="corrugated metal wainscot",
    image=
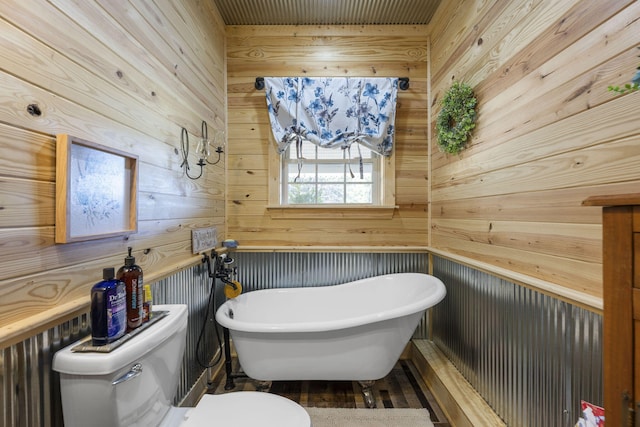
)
(530, 356)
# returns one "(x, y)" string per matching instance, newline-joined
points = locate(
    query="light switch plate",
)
(203, 239)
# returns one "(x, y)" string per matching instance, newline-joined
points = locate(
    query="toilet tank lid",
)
(68, 362)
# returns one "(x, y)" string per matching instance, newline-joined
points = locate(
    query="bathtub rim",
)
(222, 314)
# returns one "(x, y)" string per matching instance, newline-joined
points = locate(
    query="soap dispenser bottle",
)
(108, 309)
(131, 275)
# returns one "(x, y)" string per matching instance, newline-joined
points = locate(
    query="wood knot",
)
(34, 110)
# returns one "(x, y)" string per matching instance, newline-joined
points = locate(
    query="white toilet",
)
(134, 385)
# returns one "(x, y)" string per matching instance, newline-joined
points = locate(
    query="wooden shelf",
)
(613, 200)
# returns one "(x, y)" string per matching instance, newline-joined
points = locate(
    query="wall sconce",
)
(203, 149)
(218, 142)
(184, 145)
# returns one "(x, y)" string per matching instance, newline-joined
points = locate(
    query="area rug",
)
(345, 417)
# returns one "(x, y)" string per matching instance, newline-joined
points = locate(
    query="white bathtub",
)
(354, 331)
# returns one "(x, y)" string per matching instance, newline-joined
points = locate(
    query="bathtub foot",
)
(367, 393)
(229, 385)
(263, 386)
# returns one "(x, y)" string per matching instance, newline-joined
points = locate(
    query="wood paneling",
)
(125, 75)
(548, 134)
(131, 75)
(364, 51)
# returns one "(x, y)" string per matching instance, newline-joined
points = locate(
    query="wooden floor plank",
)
(402, 388)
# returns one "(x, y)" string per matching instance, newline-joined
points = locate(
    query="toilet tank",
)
(133, 385)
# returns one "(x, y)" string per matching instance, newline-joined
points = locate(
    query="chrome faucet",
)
(222, 268)
(224, 271)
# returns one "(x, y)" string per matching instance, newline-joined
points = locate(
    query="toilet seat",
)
(246, 409)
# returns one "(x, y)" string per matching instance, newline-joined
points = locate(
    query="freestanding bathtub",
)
(354, 331)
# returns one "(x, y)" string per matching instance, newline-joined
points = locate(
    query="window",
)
(325, 172)
(330, 176)
(319, 116)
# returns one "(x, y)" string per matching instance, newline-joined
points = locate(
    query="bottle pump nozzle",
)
(129, 260)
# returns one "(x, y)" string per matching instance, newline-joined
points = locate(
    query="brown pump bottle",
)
(131, 275)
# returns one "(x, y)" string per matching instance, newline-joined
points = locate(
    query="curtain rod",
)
(403, 83)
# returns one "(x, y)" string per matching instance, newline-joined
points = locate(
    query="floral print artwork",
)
(99, 183)
(333, 111)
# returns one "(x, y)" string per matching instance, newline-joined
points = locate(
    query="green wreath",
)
(457, 118)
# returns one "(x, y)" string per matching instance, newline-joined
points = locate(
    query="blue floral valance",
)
(333, 111)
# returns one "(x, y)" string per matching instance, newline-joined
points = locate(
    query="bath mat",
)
(345, 417)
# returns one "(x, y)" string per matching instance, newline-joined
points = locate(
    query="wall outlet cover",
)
(203, 239)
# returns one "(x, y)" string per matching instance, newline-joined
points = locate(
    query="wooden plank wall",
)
(368, 51)
(549, 133)
(127, 75)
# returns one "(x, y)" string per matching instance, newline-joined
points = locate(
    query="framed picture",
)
(96, 191)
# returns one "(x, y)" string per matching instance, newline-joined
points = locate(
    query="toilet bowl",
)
(245, 409)
(239, 409)
(135, 384)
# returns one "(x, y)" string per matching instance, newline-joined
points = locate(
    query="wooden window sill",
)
(331, 211)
